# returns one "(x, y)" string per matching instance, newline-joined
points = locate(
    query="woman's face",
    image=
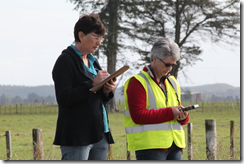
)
(160, 66)
(90, 42)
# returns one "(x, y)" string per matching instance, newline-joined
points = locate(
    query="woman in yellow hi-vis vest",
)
(153, 121)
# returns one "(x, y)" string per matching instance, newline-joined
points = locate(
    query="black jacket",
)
(80, 117)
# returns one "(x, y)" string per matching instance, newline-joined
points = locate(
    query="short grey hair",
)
(165, 47)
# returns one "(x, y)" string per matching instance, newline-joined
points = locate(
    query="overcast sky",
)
(34, 32)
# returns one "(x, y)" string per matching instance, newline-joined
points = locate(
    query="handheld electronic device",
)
(190, 107)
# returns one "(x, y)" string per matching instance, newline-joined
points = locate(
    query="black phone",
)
(190, 107)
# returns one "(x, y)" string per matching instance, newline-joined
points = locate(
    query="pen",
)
(97, 69)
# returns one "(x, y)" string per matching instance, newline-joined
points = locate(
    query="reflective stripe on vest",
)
(173, 84)
(151, 97)
(152, 127)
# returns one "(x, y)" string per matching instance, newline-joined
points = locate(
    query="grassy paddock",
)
(21, 126)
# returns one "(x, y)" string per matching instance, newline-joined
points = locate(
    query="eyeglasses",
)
(167, 64)
(98, 39)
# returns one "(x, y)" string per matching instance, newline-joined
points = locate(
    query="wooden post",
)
(37, 144)
(110, 150)
(128, 155)
(211, 136)
(232, 139)
(233, 107)
(8, 144)
(202, 107)
(189, 131)
(108, 108)
(21, 109)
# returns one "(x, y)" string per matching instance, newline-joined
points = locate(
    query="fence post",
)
(202, 107)
(189, 131)
(8, 144)
(232, 139)
(110, 150)
(37, 144)
(211, 136)
(21, 109)
(128, 155)
(233, 107)
(108, 108)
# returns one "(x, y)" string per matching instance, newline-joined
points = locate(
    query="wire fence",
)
(40, 108)
(25, 151)
(28, 109)
(22, 144)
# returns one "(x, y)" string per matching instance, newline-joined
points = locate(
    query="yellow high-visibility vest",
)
(154, 136)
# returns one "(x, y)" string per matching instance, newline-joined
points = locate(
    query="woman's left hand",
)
(109, 86)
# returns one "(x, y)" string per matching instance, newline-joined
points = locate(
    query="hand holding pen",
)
(101, 75)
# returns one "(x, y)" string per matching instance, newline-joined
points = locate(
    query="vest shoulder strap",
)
(151, 97)
(174, 85)
(171, 81)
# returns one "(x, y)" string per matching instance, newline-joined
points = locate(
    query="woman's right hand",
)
(102, 74)
(176, 111)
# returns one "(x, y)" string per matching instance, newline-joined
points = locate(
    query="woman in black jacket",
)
(82, 126)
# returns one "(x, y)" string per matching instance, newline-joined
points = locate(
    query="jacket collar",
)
(79, 64)
(148, 69)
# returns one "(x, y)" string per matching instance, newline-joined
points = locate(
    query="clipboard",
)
(113, 75)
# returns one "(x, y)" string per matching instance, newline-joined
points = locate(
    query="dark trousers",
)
(173, 153)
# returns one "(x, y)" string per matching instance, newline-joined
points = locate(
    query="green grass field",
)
(21, 126)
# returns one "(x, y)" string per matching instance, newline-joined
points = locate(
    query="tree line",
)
(32, 98)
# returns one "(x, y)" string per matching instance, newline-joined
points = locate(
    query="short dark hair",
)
(89, 23)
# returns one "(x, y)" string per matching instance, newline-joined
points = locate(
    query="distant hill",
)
(23, 91)
(211, 88)
(219, 89)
